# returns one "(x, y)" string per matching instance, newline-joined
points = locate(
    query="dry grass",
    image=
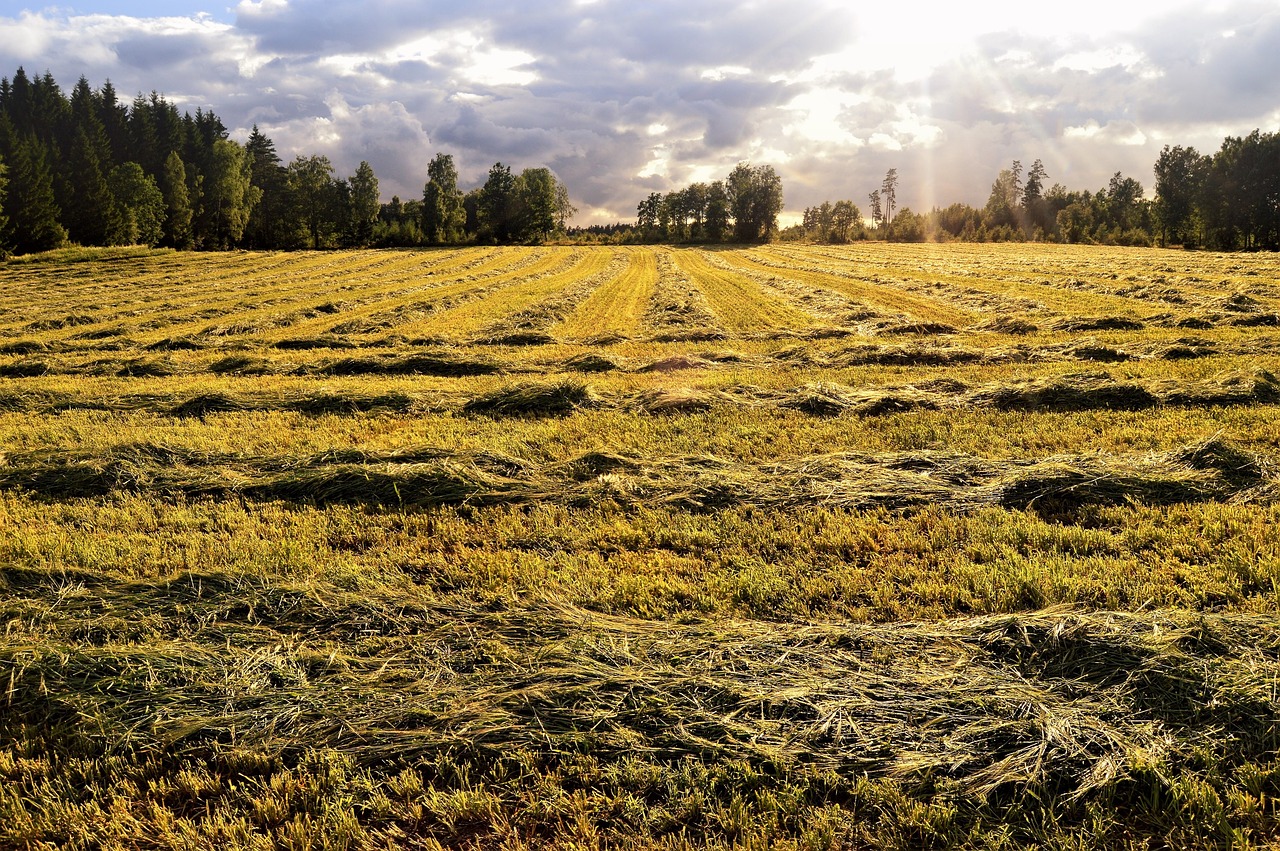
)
(934, 546)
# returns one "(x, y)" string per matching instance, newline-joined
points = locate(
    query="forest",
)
(89, 169)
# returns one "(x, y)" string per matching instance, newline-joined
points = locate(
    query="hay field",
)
(793, 546)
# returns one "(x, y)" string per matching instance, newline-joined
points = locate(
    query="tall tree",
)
(716, 220)
(139, 205)
(877, 210)
(4, 197)
(889, 195)
(1180, 173)
(364, 205)
(268, 225)
(1034, 208)
(498, 213)
(311, 184)
(33, 213)
(755, 197)
(89, 212)
(536, 191)
(177, 203)
(443, 216)
(229, 195)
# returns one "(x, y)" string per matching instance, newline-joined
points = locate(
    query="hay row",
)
(531, 325)
(679, 311)
(1213, 471)
(1061, 702)
(532, 399)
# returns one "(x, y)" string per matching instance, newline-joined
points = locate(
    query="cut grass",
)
(881, 567)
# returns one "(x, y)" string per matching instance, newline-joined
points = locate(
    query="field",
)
(783, 547)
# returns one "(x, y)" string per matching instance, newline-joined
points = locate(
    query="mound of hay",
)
(1233, 388)
(442, 365)
(1098, 323)
(242, 365)
(351, 403)
(327, 341)
(591, 362)
(1008, 325)
(173, 344)
(694, 335)
(1257, 320)
(210, 403)
(534, 400)
(678, 401)
(1092, 351)
(144, 368)
(518, 338)
(25, 369)
(1085, 392)
(676, 362)
(820, 399)
(917, 328)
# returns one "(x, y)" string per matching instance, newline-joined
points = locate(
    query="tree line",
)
(86, 168)
(744, 207)
(1226, 201)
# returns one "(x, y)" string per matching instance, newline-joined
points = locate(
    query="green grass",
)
(639, 554)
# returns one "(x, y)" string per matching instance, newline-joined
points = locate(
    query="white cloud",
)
(624, 98)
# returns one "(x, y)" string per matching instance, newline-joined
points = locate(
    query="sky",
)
(626, 97)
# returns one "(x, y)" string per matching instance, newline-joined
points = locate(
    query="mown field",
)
(783, 547)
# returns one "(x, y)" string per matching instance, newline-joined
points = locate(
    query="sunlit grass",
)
(784, 546)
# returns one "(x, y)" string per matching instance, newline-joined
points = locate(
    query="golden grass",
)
(582, 547)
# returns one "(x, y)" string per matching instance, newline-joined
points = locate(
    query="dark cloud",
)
(623, 98)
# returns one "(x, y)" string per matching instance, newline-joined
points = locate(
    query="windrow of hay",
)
(679, 311)
(428, 476)
(825, 305)
(1087, 391)
(533, 399)
(992, 704)
(446, 364)
(531, 326)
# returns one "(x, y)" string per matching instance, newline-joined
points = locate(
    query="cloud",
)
(623, 98)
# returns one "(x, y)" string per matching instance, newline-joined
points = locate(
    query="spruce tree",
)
(89, 213)
(4, 220)
(33, 214)
(268, 224)
(364, 205)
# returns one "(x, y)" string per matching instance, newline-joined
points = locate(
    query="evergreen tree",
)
(268, 223)
(88, 210)
(4, 220)
(33, 213)
(177, 204)
(364, 205)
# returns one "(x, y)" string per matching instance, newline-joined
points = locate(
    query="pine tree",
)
(364, 205)
(88, 211)
(33, 214)
(267, 226)
(4, 220)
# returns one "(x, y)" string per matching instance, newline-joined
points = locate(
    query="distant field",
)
(789, 546)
